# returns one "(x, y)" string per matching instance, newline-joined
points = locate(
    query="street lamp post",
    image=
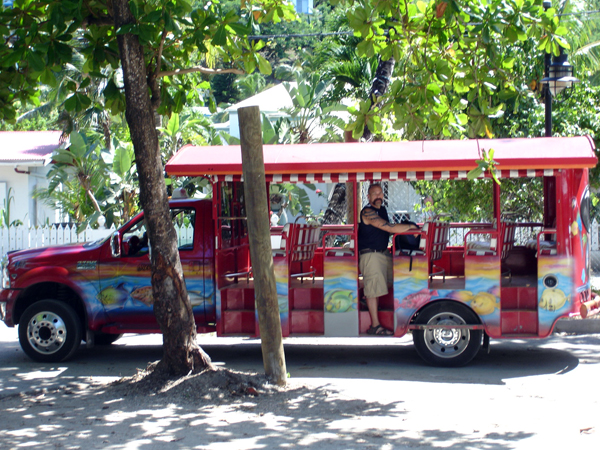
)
(558, 75)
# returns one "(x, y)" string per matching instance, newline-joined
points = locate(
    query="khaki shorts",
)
(376, 269)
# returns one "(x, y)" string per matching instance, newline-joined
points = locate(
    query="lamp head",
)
(560, 74)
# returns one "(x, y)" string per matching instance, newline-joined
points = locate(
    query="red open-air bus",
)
(452, 298)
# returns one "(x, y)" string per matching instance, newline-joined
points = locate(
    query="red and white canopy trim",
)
(387, 176)
(407, 160)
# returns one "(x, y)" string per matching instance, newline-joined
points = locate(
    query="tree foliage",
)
(43, 37)
(149, 57)
(457, 60)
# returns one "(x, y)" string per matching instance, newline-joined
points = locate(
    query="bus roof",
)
(397, 160)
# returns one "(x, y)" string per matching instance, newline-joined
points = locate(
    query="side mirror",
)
(115, 244)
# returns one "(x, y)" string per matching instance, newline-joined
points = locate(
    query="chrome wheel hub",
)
(46, 332)
(446, 342)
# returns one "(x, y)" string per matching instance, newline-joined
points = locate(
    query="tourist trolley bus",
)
(465, 283)
(452, 296)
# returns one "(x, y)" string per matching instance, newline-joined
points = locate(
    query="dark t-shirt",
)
(370, 236)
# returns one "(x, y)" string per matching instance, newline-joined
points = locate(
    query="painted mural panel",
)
(481, 292)
(340, 296)
(555, 289)
(281, 283)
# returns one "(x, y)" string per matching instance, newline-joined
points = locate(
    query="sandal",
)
(379, 331)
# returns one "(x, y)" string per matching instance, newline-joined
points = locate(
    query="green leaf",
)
(475, 173)
(111, 90)
(146, 33)
(85, 83)
(77, 144)
(269, 133)
(83, 100)
(220, 37)
(173, 125)
(263, 65)
(48, 77)
(12, 58)
(249, 64)
(154, 16)
(134, 8)
(434, 88)
(62, 156)
(170, 24)
(122, 161)
(71, 103)
(508, 63)
(36, 61)
(561, 31)
(64, 51)
(240, 29)
(187, 8)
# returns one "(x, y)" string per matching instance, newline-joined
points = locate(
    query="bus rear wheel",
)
(447, 347)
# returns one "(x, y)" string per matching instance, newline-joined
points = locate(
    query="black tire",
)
(106, 338)
(49, 331)
(453, 347)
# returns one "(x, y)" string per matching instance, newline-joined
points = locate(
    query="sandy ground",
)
(524, 395)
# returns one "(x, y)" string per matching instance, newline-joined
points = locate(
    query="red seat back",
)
(508, 238)
(437, 239)
(303, 241)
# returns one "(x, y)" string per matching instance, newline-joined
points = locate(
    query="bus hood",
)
(55, 255)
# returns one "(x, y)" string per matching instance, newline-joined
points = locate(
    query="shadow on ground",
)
(84, 416)
(360, 360)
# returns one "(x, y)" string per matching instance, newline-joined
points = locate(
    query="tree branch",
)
(160, 50)
(203, 70)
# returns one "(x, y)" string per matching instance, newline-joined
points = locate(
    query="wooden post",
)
(265, 290)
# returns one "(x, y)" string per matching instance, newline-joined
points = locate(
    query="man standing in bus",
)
(375, 260)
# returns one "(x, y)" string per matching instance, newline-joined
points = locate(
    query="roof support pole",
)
(265, 291)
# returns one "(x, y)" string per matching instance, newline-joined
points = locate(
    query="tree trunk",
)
(337, 205)
(173, 310)
(265, 291)
(383, 75)
(336, 209)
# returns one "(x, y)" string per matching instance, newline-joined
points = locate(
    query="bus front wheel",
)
(447, 347)
(49, 331)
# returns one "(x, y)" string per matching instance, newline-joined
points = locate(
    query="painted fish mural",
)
(553, 299)
(483, 303)
(340, 300)
(418, 298)
(197, 298)
(113, 296)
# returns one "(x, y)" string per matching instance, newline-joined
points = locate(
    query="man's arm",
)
(370, 217)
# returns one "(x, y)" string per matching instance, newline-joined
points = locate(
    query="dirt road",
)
(345, 394)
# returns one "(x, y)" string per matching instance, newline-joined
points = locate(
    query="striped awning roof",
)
(409, 160)
(385, 176)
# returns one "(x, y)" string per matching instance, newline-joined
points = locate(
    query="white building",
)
(270, 101)
(24, 162)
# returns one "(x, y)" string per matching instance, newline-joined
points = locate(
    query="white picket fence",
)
(22, 237)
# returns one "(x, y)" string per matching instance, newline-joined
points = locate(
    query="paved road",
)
(307, 358)
(532, 394)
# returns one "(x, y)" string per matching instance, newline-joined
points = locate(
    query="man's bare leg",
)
(372, 305)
